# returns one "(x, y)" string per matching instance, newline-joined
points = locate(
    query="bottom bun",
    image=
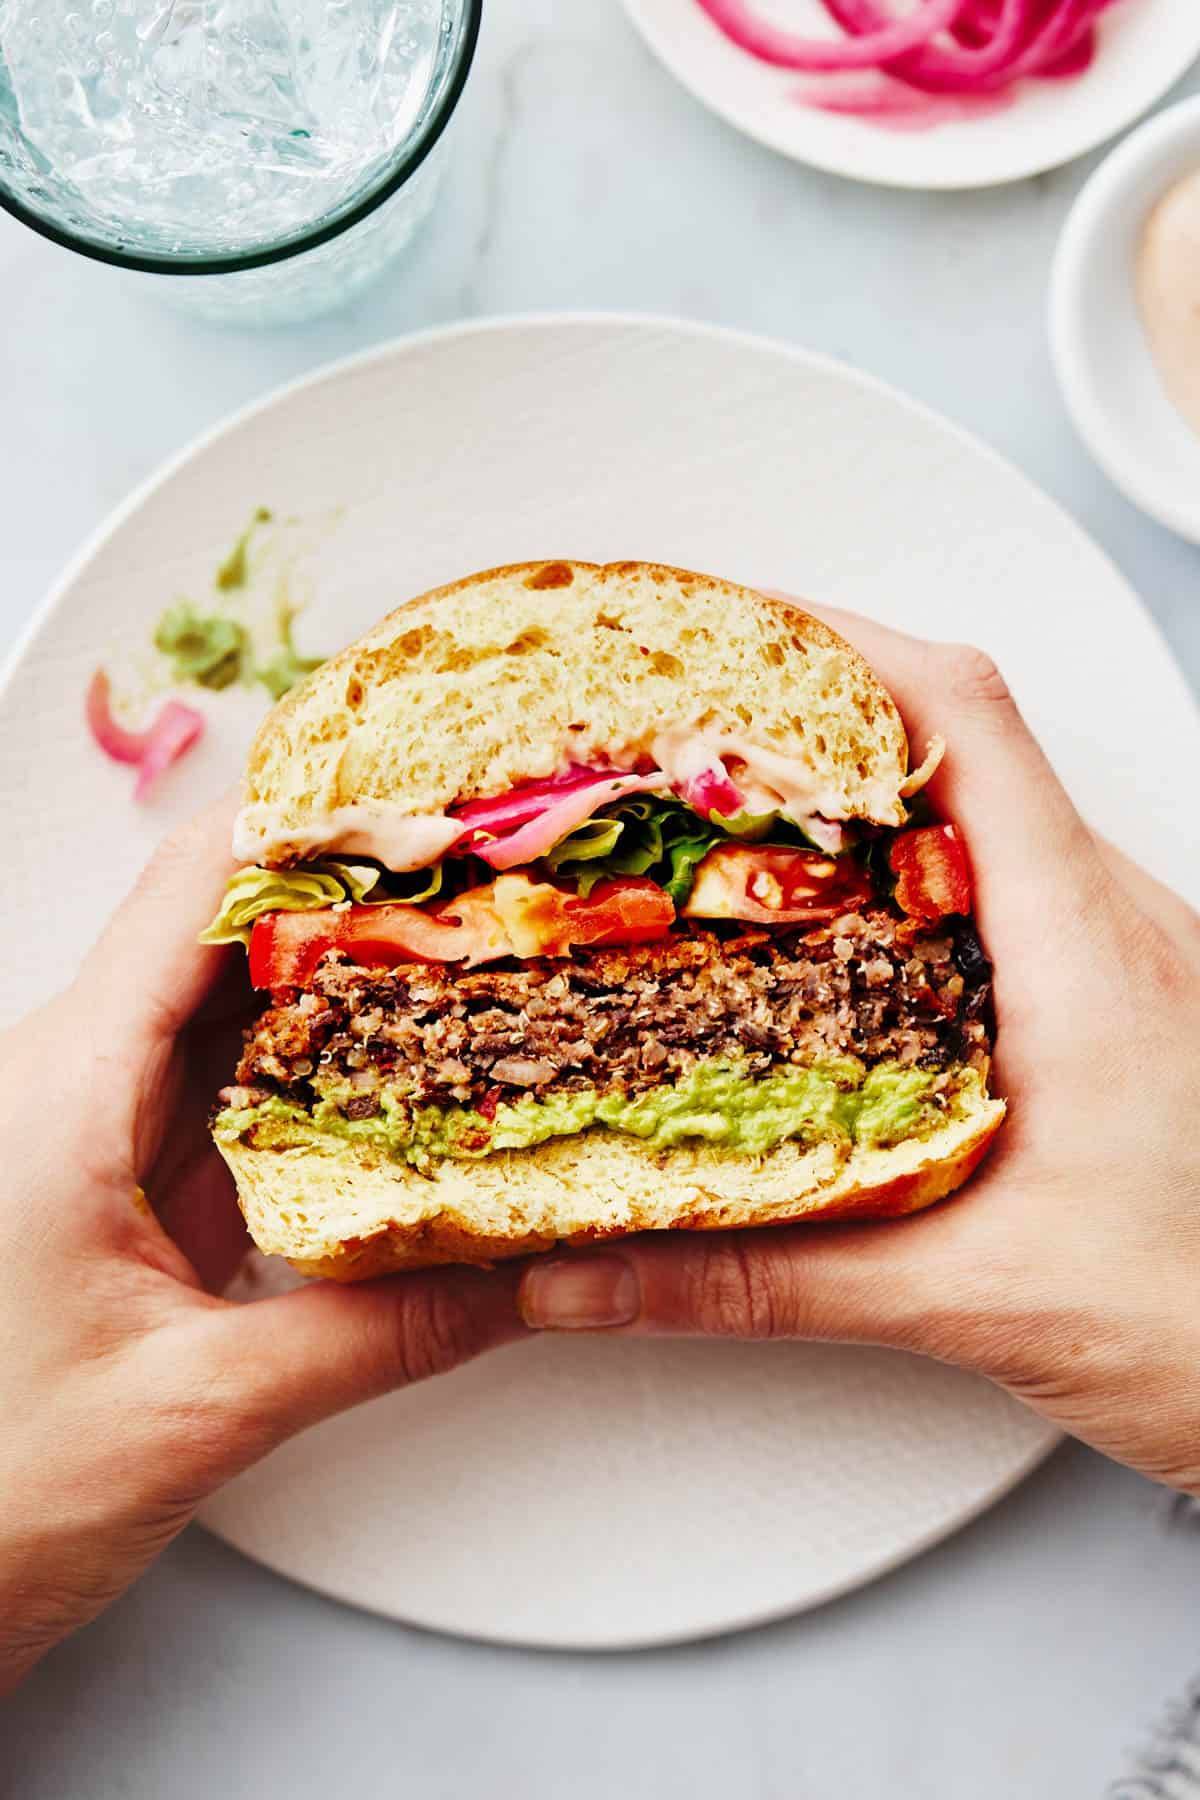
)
(337, 1209)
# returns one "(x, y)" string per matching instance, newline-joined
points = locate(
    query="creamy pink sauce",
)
(768, 780)
(399, 840)
(1168, 293)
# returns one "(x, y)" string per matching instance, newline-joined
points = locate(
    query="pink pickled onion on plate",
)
(879, 97)
(789, 50)
(975, 24)
(951, 62)
(123, 746)
(174, 730)
(1074, 61)
(560, 816)
(1017, 40)
(959, 66)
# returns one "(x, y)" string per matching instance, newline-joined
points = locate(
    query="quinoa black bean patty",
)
(869, 986)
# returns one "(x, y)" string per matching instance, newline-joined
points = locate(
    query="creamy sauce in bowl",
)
(1167, 280)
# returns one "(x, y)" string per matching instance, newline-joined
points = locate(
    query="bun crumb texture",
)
(505, 676)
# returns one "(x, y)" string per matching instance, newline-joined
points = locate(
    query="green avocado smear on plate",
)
(716, 1103)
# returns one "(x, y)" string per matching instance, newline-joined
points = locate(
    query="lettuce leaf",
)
(750, 827)
(662, 838)
(875, 856)
(644, 835)
(407, 890)
(595, 838)
(254, 891)
(358, 879)
(683, 857)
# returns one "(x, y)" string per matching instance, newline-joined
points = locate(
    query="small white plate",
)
(597, 1493)
(1105, 369)
(1146, 45)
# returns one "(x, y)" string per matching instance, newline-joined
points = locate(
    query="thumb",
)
(273, 1367)
(148, 972)
(904, 1284)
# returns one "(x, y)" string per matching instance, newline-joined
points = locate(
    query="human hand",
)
(1069, 1272)
(131, 1391)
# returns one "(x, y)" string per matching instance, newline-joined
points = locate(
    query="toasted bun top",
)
(511, 674)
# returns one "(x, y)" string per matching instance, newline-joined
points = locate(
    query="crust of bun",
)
(502, 677)
(336, 1210)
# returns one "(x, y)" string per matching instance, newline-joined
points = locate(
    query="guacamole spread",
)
(717, 1103)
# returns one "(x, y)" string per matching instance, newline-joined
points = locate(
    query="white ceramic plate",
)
(603, 1493)
(1147, 45)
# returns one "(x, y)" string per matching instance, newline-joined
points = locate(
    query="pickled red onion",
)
(563, 815)
(518, 826)
(174, 730)
(789, 50)
(711, 791)
(936, 62)
(123, 746)
(1074, 61)
(876, 96)
(1019, 38)
(488, 817)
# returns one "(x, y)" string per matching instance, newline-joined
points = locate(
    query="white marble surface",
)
(1028, 1654)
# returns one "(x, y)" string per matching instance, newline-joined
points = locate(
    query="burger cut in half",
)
(587, 901)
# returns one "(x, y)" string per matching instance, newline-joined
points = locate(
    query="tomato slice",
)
(285, 947)
(933, 873)
(512, 916)
(630, 911)
(775, 886)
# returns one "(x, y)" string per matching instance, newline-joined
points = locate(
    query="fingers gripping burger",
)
(586, 901)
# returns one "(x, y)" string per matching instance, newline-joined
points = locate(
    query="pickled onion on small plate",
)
(944, 59)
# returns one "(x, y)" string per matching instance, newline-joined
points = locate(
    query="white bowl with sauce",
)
(1128, 266)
